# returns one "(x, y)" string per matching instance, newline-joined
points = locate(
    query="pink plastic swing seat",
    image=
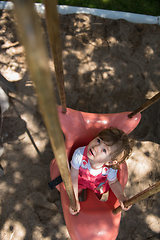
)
(95, 220)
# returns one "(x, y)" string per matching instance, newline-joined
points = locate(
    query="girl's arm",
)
(74, 177)
(118, 191)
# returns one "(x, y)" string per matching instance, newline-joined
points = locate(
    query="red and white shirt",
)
(89, 177)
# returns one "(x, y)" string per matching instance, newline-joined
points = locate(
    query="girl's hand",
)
(121, 201)
(73, 212)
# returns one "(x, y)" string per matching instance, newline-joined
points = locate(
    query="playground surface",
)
(109, 66)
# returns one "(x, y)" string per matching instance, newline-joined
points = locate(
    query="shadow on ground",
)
(109, 66)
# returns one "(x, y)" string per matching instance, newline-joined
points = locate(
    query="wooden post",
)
(52, 19)
(145, 105)
(36, 55)
(140, 196)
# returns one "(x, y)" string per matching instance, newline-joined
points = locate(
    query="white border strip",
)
(131, 17)
(6, 5)
(63, 9)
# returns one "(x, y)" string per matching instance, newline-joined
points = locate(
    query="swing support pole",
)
(30, 33)
(145, 105)
(140, 196)
(52, 19)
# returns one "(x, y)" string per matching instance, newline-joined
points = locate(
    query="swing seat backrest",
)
(95, 220)
(80, 128)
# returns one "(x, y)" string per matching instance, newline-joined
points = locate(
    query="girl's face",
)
(99, 153)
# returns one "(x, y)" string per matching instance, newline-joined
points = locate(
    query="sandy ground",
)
(109, 66)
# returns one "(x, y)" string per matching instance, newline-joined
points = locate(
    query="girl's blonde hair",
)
(116, 136)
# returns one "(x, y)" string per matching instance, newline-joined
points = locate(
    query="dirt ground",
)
(109, 66)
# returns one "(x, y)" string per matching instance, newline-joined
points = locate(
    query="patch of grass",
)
(149, 7)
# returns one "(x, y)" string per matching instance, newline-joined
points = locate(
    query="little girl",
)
(95, 166)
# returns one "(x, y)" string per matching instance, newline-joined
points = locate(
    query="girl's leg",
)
(104, 196)
(82, 193)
